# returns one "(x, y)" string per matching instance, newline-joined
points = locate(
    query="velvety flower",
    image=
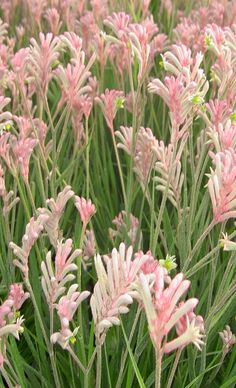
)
(53, 18)
(163, 314)
(125, 227)
(66, 308)
(113, 292)
(5, 117)
(54, 213)
(17, 295)
(22, 149)
(110, 101)
(32, 232)
(56, 275)
(228, 338)
(89, 247)
(42, 58)
(86, 209)
(221, 186)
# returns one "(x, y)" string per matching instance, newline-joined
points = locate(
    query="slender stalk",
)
(163, 202)
(158, 358)
(5, 375)
(119, 168)
(198, 243)
(174, 367)
(99, 366)
(87, 158)
(76, 359)
(125, 355)
(90, 364)
(48, 344)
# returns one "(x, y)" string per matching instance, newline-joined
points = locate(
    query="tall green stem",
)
(158, 354)
(99, 366)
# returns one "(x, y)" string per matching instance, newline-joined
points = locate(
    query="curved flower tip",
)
(192, 335)
(227, 244)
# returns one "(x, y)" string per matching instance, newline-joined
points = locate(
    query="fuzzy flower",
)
(113, 292)
(221, 186)
(5, 147)
(66, 308)
(12, 329)
(162, 311)
(125, 227)
(53, 18)
(144, 155)
(219, 112)
(169, 169)
(223, 136)
(111, 101)
(86, 209)
(228, 338)
(73, 80)
(32, 232)
(17, 295)
(55, 276)
(42, 58)
(22, 149)
(5, 117)
(144, 158)
(89, 247)
(191, 335)
(54, 213)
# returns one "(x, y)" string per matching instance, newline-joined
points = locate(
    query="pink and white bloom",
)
(32, 232)
(162, 312)
(114, 291)
(110, 101)
(221, 186)
(42, 58)
(54, 213)
(86, 209)
(66, 308)
(56, 274)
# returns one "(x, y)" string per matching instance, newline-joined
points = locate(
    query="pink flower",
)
(32, 232)
(110, 102)
(125, 227)
(162, 313)
(53, 18)
(114, 290)
(19, 60)
(57, 273)
(54, 213)
(22, 150)
(221, 186)
(17, 295)
(42, 58)
(66, 308)
(118, 22)
(86, 209)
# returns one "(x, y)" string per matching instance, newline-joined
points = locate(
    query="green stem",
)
(99, 366)
(119, 168)
(125, 355)
(48, 344)
(197, 245)
(76, 359)
(158, 354)
(174, 367)
(87, 158)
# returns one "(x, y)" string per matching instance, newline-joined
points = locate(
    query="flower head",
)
(86, 209)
